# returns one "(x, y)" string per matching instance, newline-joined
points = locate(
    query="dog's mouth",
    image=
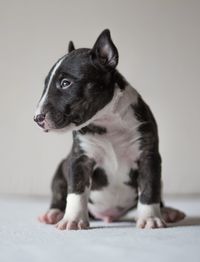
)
(60, 122)
(43, 122)
(44, 126)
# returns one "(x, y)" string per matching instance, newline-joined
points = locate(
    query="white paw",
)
(72, 224)
(150, 223)
(52, 216)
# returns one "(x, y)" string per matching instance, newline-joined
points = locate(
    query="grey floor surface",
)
(24, 239)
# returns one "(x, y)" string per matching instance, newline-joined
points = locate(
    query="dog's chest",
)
(116, 152)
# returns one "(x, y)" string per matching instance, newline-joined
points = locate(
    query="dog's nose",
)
(39, 118)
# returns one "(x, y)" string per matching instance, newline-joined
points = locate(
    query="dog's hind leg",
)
(59, 194)
(172, 215)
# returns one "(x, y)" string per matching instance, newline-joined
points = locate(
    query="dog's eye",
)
(65, 83)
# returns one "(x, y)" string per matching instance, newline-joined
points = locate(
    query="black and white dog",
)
(114, 164)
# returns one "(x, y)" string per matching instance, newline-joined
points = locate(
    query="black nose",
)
(39, 118)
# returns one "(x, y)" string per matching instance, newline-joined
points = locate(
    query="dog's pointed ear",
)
(104, 51)
(71, 46)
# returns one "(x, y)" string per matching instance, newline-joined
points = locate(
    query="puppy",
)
(114, 164)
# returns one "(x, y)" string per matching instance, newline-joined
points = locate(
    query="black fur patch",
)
(59, 188)
(99, 179)
(80, 168)
(120, 80)
(133, 175)
(149, 179)
(148, 126)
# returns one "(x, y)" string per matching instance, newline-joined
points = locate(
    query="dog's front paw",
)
(150, 223)
(52, 216)
(72, 224)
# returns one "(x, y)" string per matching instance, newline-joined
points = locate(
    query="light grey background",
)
(158, 43)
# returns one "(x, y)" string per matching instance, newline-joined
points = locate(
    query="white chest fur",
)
(117, 153)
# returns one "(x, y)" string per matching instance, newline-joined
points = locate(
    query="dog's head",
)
(78, 86)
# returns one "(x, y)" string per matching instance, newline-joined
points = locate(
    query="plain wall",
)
(159, 47)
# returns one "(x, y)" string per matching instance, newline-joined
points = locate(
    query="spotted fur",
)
(114, 162)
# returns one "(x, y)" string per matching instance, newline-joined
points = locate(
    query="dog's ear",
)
(71, 46)
(104, 51)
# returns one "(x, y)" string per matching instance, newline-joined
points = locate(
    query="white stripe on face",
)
(44, 97)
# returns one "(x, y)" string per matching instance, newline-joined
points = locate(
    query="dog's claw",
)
(150, 223)
(71, 225)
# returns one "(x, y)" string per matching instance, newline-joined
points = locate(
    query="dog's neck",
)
(113, 113)
(115, 110)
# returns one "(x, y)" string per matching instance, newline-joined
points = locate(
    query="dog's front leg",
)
(149, 182)
(76, 213)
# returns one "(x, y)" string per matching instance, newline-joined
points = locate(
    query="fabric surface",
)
(23, 238)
